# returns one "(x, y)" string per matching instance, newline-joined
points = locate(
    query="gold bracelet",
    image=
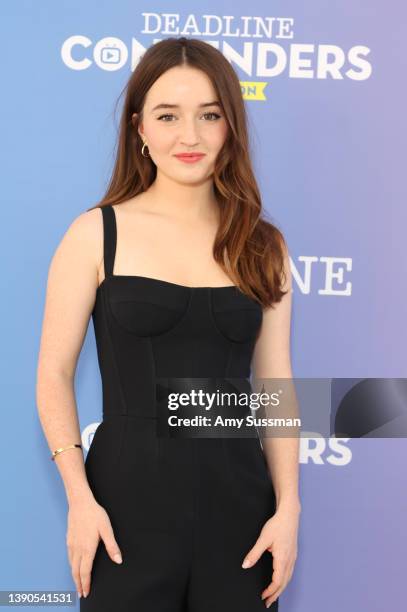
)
(60, 450)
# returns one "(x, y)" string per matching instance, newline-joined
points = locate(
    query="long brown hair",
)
(248, 248)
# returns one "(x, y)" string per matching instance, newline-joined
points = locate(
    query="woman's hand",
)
(278, 536)
(87, 522)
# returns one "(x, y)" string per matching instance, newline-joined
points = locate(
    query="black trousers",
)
(184, 512)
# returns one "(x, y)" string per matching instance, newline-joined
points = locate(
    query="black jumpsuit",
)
(184, 510)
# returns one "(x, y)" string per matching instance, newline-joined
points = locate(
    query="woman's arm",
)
(70, 297)
(271, 360)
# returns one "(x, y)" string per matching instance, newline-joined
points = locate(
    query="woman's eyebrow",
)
(204, 105)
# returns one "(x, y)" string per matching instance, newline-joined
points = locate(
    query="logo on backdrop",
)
(331, 273)
(267, 50)
(313, 450)
(88, 433)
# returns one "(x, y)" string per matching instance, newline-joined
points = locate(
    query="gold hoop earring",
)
(142, 149)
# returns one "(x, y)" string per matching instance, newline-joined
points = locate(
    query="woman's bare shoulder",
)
(87, 224)
(86, 230)
(82, 241)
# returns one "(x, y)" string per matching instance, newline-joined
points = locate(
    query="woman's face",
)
(186, 126)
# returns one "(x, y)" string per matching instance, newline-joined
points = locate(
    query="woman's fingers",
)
(278, 582)
(255, 552)
(83, 540)
(75, 567)
(85, 569)
(107, 535)
(270, 600)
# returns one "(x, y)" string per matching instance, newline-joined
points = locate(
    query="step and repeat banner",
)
(324, 89)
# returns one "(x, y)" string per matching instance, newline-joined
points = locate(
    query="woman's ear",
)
(134, 119)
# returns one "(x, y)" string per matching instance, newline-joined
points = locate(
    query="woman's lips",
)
(190, 159)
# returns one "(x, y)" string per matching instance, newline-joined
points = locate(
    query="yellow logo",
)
(253, 90)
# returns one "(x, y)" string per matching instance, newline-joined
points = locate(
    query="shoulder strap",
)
(109, 238)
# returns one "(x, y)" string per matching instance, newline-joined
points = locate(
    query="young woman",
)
(184, 280)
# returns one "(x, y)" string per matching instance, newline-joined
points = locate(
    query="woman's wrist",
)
(79, 495)
(288, 502)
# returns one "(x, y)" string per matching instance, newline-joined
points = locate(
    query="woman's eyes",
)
(206, 114)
